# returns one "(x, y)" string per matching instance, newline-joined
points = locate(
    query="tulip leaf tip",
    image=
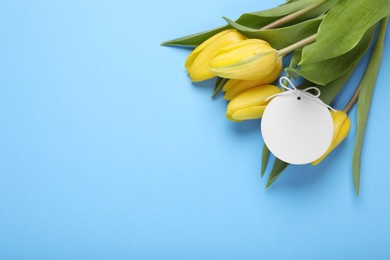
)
(264, 160)
(269, 183)
(356, 185)
(218, 86)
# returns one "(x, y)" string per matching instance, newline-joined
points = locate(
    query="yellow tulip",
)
(251, 59)
(197, 63)
(251, 103)
(342, 125)
(233, 87)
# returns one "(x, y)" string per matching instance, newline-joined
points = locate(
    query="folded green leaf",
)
(365, 96)
(218, 86)
(196, 39)
(343, 27)
(296, 58)
(280, 37)
(264, 159)
(325, 71)
(277, 170)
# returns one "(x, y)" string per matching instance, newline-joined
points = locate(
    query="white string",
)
(304, 92)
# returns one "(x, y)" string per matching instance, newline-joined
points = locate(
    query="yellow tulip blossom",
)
(233, 87)
(251, 59)
(342, 125)
(197, 63)
(251, 103)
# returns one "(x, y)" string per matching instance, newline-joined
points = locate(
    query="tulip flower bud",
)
(342, 125)
(251, 103)
(197, 63)
(251, 59)
(233, 87)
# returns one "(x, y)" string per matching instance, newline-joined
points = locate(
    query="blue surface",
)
(109, 152)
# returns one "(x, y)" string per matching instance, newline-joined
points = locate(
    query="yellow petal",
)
(251, 59)
(253, 97)
(201, 47)
(342, 124)
(234, 87)
(274, 73)
(239, 51)
(246, 113)
(247, 104)
(197, 62)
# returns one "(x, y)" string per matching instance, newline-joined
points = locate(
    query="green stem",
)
(297, 45)
(292, 16)
(353, 99)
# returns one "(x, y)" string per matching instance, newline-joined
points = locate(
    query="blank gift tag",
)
(296, 128)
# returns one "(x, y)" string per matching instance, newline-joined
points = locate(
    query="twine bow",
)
(299, 93)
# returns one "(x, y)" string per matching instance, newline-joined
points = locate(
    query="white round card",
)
(296, 129)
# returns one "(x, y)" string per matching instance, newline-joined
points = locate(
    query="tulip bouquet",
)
(321, 40)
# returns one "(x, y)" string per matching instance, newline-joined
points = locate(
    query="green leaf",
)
(257, 20)
(365, 96)
(296, 58)
(284, 9)
(262, 18)
(277, 170)
(217, 82)
(264, 160)
(343, 27)
(331, 90)
(325, 71)
(218, 86)
(252, 20)
(196, 39)
(280, 37)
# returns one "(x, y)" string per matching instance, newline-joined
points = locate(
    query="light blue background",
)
(107, 151)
